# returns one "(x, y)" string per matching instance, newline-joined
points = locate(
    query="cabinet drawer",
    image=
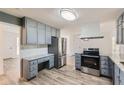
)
(103, 58)
(104, 72)
(104, 66)
(33, 62)
(32, 74)
(77, 66)
(77, 59)
(104, 63)
(33, 67)
(43, 59)
(77, 56)
(78, 62)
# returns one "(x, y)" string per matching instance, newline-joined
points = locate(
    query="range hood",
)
(91, 31)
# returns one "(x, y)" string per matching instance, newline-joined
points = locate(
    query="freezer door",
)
(62, 61)
(64, 42)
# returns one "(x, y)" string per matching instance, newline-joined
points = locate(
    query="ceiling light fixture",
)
(68, 14)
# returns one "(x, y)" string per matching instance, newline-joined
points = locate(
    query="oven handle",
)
(91, 56)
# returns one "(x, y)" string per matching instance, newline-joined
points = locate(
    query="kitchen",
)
(38, 51)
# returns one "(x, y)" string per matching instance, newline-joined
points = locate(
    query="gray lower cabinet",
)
(51, 62)
(78, 61)
(121, 77)
(118, 76)
(41, 33)
(48, 34)
(30, 69)
(106, 66)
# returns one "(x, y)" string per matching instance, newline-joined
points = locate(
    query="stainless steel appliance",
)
(90, 61)
(58, 48)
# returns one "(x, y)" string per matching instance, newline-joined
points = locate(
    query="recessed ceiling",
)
(52, 17)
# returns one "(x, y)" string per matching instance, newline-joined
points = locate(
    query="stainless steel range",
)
(90, 61)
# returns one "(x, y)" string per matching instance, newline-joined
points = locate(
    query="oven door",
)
(90, 61)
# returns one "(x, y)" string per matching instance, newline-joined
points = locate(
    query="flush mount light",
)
(68, 14)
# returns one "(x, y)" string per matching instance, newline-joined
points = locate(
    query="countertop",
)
(37, 56)
(116, 59)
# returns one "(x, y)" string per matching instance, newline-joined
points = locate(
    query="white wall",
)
(76, 45)
(90, 30)
(1, 49)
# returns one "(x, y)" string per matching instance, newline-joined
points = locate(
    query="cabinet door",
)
(78, 61)
(111, 68)
(41, 33)
(120, 19)
(121, 77)
(104, 66)
(119, 34)
(48, 34)
(123, 33)
(58, 33)
(116, 75)
(51, 62)
(105, 72)
(54, 33)
(31, 32)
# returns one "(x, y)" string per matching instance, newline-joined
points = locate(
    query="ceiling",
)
(51, 16)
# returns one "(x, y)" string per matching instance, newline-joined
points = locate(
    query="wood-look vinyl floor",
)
(66, 75)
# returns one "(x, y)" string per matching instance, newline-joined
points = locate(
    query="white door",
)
(11, 40)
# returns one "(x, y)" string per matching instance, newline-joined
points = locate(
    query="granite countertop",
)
(119, 62)
(37, 56)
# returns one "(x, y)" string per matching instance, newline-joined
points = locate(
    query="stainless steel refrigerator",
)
(58, 48)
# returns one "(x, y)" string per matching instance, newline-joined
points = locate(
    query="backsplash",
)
(27, 52)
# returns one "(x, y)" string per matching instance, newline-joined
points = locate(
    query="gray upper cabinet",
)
(54, 32)
(36, 33)
(58, 33)
(120, 29)
(41, 33)
(31, 33)
(48, 34)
